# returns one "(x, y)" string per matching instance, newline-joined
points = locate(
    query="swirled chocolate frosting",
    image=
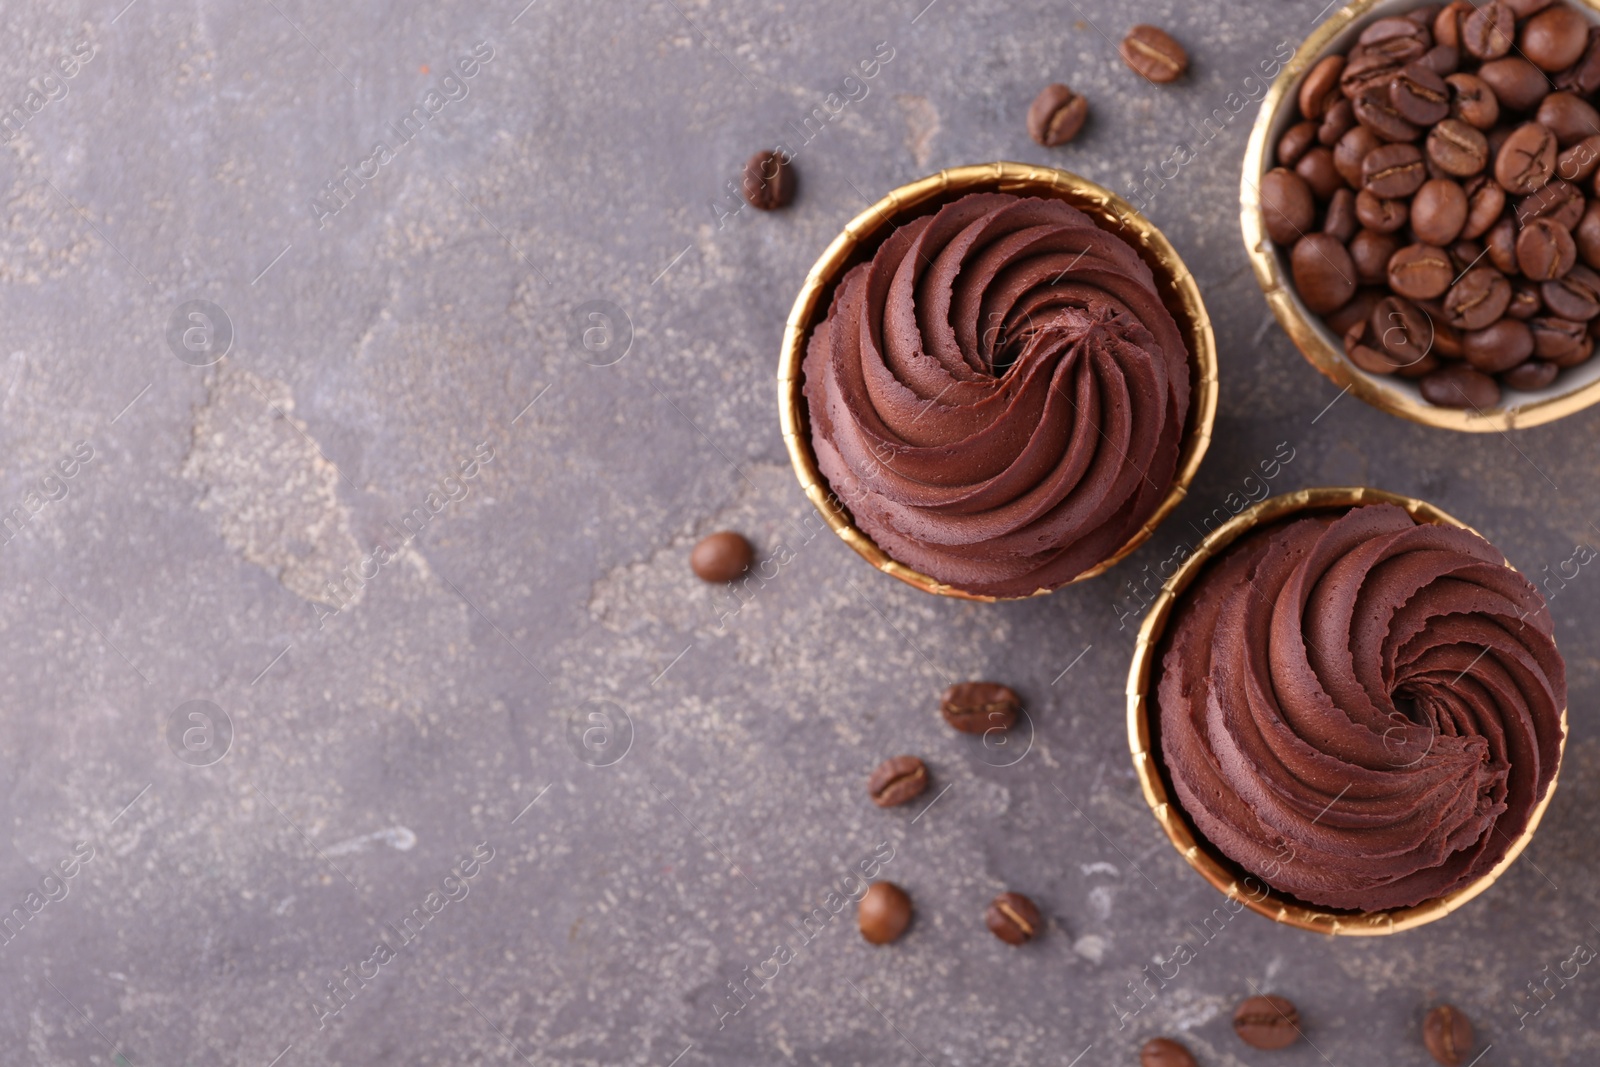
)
(999, 395)
(1361, 710)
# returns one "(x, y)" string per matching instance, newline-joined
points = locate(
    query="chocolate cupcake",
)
(1362, 711)
(999, 395)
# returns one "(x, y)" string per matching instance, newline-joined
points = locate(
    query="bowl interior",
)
(1573, 390)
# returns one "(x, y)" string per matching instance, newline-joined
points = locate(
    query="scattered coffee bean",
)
(1165, 1052)
(721, 557)
(1324, 274)
(769, 181)
(1530, 376)
(1150, 51)
(1286, 205)
(978, 707)
(1056, 116)
(1448, 1035)
(900, 779)
(1268, 1022)
(1555, 38)
(1012, 918)
(884, 913)
(1545, 250)
(1459, 386)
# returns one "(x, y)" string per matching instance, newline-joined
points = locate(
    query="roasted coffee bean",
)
(1421, 272)
(1398, 39)
(1447, 340)
(1381, 214)
(1447, 1034)
(1419, 95)
(1356, 311)
(1165, 1052)
(721, 557)
(1501, 242)
(1527, 160)
(1533, 375)
(1350, 151)
(1293, 144)
(1324, 275)
(1362, 348)
(1394, 170)
(884, 913)
(1340, 220)
(1518, 84)
(1545, 250)
(1526, 301)
(1013, 918)
(1575, 296)
(1569, 116)
(1456, 385)
(1268, 1022)
(1370, 252)
(1447, 23)
(978, 707)
(1442, 59)
(1056, 115)
(1578, 163)
(1587, 235)
(1403, 330)
(1489, 30)
(1486, 201)
(1561, 341)
(1286, 206)
(1555, 38)
(1465, 254)
(1523, 8)
(1457, 148)
(1472, 101)
(1150, 51)
(1340, 120)
(1317, 168)
(1560, 202)
(1321, 87)
(1376, 111)
(1481, 296)
(1584, 76)
(1498, 346)
(1438, 212)
(1423, 16)
(769, 181)
(897, 780)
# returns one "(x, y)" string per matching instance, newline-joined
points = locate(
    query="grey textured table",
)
(664, 788)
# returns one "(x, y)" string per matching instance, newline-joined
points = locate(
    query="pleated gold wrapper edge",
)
(1222, 873)
(861, 237)
(1306, 330)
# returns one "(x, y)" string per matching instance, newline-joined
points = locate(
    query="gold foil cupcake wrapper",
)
(1574, 389)
(861, 238)
(1144, 728)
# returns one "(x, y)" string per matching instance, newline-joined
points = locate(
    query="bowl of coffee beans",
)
(1421, 204)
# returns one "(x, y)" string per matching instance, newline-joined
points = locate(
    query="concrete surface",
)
(665, 786)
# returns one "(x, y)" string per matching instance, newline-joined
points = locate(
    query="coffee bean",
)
(978, 707)
(898, 780)
(721, 557)
(1350, 151)
(1357, 310)
(1584, 76)
(1447, 1034)
(1587, 235)
(1488, 31)
(1458, 386)
(1268, 1022)
(1165, 1052)
(1569, 116)
(1533, 375)
(1481, 296)
(1579, 162)
(1438, 212)
(1527, 160)
(1472, 101)
(1448, 341)
(1526, 301)
(1545, 250)
(1370, 252)
(1375, 110)
(1518, 84)
(1555, 38)
(1442, 59)
(1340, 120)
(1012, 918)
(1340, 220)
(1575, 296)
(1420, 272)
(1403, 330)
(1447, 23)
(1419, 95)
(769, 181)
(884, 913)
(1560, 202)
(1378, 213)
(1394, 170)
(1556, 339)
(1286, 206)
(1317, 168)
(1465, 254)
(1363, 349)
(1056, 115)
(1457, 148)
(1294, 142)
(1498, 346)
(1324, 275)
(1318, 91)
(1485, 203)
(1151, 52)
(1523, 8)
(1501, 241)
